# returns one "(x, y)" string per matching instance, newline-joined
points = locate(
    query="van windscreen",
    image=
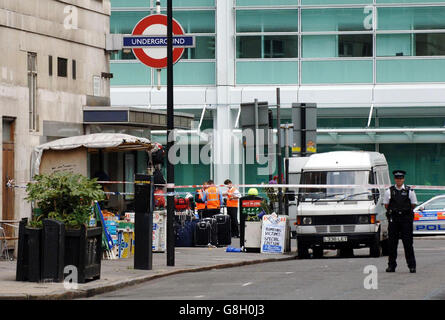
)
(347, 178)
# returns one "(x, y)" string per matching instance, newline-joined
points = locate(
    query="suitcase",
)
(206, 232)
(224, 229)
(185, 233)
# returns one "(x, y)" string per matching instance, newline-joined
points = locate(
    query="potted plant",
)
(68, 198)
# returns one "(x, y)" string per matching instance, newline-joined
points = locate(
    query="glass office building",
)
(375, 68)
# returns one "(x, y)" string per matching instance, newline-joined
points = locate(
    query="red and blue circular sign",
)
(156, 25)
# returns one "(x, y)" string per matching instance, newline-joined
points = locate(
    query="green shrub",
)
(63, 196)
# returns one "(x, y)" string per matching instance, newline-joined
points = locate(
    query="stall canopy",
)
(108, 142)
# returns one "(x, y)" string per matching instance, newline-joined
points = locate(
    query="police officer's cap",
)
(399, 173)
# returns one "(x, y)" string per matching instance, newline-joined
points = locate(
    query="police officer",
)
(399, 201)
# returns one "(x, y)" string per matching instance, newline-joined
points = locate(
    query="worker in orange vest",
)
(199, 200)
(232, 195)
(213, 199)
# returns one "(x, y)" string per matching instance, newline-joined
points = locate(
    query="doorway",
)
(8, 173)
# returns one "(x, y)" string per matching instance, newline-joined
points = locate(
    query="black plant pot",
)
(83, 249)
(29, 253)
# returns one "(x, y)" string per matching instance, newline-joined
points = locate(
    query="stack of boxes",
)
(112, 229)
(126, 239)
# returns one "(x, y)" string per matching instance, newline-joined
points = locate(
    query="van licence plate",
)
(335, 239)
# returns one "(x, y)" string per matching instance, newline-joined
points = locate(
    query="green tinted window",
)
(205, 49)
(191, 21)
(412, 122)
(349, 19)
(408, 70)
(414, 44)
(348, 147)
(124, 21)
(189, 3)
(326, 2)
(408, 1)
(129, 3)
(185, 73)
(266, 20)
(131, 73)
(192, 73)
(414, 18)
(350, 71)
(332, 46)
(267, 72)
(196, 21)
(176, 3)
(267, 46)
(252, 3)
(423, 163)
(342, 122)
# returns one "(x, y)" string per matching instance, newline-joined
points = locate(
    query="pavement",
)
(119, 273)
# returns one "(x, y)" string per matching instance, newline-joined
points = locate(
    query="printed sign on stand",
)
(273, 237)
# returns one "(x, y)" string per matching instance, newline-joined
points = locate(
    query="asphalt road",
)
(356, 278)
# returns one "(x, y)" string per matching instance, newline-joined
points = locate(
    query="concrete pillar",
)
(224, 164)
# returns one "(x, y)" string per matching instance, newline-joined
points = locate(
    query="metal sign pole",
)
(280, 178)
(170, 139)
(158, 71)
(286, 170)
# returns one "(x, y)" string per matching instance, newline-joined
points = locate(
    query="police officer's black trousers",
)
(233, 213)
(401, 229)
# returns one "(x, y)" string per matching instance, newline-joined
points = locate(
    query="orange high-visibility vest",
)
(212, 197)
(231, 202)
(200, 206)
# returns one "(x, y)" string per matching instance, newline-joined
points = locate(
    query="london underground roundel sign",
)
(153, 51)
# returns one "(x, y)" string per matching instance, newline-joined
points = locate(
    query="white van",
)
(342, 218)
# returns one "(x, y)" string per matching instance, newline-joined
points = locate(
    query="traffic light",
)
(304, 118)
(255, 115)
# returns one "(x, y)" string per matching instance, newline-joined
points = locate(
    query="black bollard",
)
(143, 227)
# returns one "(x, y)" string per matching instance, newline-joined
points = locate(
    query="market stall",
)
(113, 159)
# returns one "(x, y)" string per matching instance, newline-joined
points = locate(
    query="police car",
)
(429, 217)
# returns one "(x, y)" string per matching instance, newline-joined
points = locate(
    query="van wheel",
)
(302, 250)
(376, 249)
(317, 252)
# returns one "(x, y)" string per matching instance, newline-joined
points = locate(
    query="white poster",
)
(159, 231)
(273, 234)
